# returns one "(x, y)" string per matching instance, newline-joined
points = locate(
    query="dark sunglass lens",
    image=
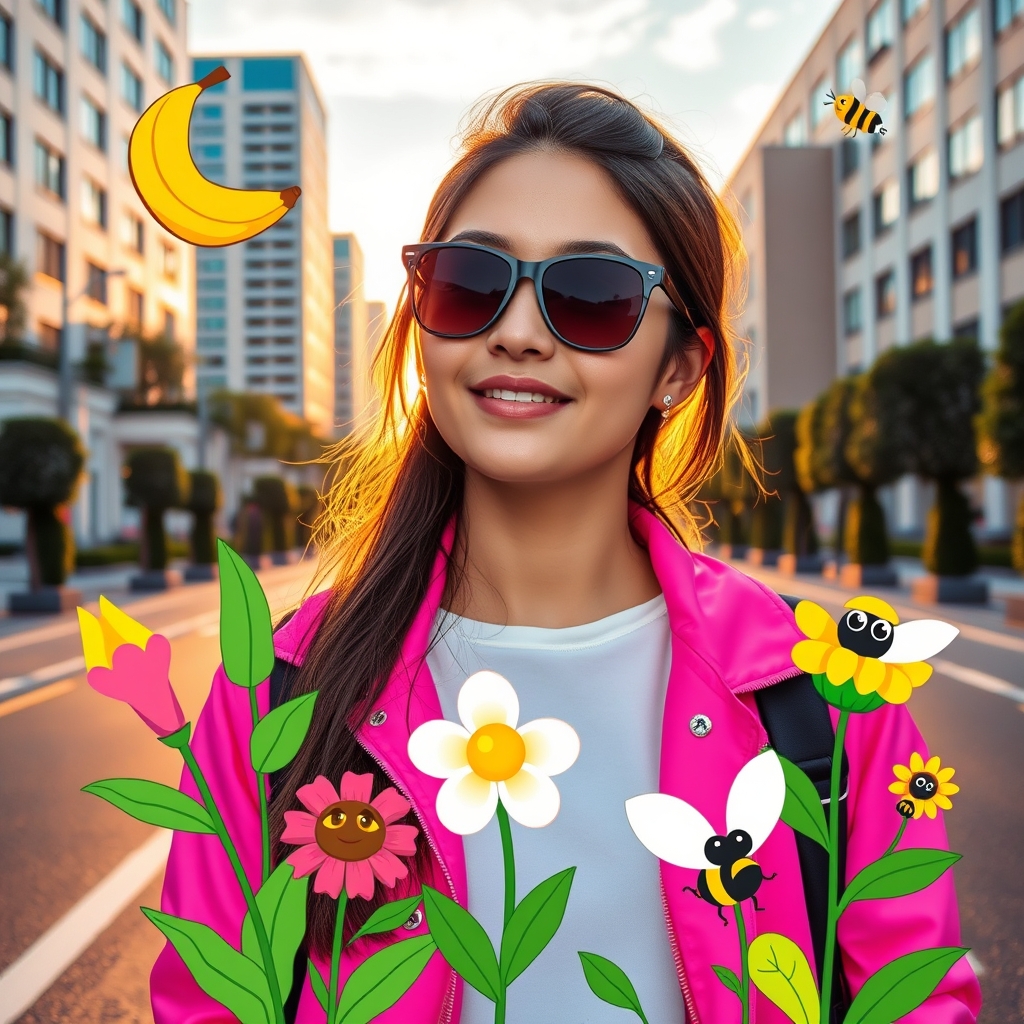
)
(593, 303)
(457, 291)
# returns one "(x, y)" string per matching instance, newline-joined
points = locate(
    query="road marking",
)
(976, 965)
(33, 697)
(981, 680)
(25, 980)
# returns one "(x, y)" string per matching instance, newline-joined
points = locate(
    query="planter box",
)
(155, 579)
(855, 576)
(763, 556)
(790, 565)
(46, 599)
(1015, 611)
(283, 557)
(727, 551)
(950, 590)
(257, 562)
(201, 573)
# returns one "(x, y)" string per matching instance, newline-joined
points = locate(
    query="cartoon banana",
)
(168, 182)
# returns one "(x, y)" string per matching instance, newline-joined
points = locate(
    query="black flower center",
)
(923, 786)
(864, 634)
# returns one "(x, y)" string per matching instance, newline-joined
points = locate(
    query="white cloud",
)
(763, 17)
(691, 41)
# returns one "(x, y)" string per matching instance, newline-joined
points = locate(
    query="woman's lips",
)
(512, 409)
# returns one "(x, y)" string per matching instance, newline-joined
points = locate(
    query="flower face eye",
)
(366, 822)
(856, 620)
(881, 630)
(923, 786)
(336, 819)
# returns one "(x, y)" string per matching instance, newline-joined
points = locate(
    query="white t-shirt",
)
(607, 679)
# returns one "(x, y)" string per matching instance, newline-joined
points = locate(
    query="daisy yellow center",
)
(496, 752)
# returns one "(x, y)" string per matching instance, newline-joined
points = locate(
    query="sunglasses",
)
(593, 301)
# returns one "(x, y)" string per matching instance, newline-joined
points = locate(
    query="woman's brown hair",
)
(397, 484)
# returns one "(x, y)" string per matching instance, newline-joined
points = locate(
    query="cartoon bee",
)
(857, 111)
(678, 833)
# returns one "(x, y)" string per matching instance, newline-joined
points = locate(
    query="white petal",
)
(438, 748)
(918, 640)
(530, 797)
(466, 802)
(670, 828)
(487, 698)
(552, 745)
(756, 797)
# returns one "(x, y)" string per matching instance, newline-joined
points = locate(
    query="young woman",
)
(525, 509)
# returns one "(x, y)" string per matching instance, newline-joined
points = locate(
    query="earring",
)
(668, 405)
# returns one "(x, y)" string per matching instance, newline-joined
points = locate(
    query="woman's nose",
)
(521, 329)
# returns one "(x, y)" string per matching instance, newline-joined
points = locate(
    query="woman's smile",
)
(518, 398)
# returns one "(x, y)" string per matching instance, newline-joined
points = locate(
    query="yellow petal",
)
(919, 672)
(813, 620)
(948, 788)
(933, 765)
(918, 809)
(929, 809)
(93, 647)
(811, 655)
(943, 801)
(946, 774)
(896, 689)
(899, 788)
(916, 763)
(122, 627)
(870, 675)
(842, 664)
(902, 772)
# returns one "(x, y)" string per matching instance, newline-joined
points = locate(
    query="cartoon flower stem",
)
(339, 924)
(262, 789)
(509, 858)
(741, 930)
(899, 836)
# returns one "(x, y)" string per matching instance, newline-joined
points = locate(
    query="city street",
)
(58, 844)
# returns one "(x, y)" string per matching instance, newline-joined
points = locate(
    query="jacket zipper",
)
(448, 1008)
(691, 1006)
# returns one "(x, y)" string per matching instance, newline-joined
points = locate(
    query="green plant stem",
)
(899, 836)
(339, 923)
(741, 928)
(250, 899)
(508, 856)
(833, 868)
(264, 816)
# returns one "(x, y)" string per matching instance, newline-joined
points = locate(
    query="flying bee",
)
(678, 833)
(857, 111)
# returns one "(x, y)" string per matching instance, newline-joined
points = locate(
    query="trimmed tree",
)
(155, 481)
(279, 503)
(203, 502)
(41, 464)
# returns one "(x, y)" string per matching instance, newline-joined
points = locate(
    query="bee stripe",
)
(873, 122)
(739, 865)
(715, 887)
(855, 105)
(865, 116)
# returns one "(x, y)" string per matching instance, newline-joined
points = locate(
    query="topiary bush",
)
(204, 501)
(279, 503)
(155, 481)
(41, 464)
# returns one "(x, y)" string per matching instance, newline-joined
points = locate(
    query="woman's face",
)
(534, 206)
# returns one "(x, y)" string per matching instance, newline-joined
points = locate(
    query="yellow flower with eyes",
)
(870, 647)
(926, 786)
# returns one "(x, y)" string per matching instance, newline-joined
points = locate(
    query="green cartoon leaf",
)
(534, 923)
(387, 918)
(780, 970)
(382, 979)
(727, 978)
(609, 983)
(899, 874)
(154, 803)
(902, 985)
(279, 734)
(282, 905)
(846, 697)
(219, 969)
(317, 984)
(246, 635)
(463, 942)
(802, 810)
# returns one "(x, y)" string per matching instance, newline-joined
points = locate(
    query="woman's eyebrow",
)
(568, 248)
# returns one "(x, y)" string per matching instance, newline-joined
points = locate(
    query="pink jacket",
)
(730, 637)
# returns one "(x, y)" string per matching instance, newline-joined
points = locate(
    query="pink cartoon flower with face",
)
(347, 838)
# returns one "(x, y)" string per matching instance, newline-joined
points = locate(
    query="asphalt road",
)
(58, 843)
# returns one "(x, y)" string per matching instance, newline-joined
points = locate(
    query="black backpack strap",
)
(799, 726)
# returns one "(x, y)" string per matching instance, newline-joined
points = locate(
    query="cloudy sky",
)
(397, 76)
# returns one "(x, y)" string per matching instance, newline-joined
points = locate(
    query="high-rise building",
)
(376, 323)
(263, 308)
(350, 327)
(74, 77)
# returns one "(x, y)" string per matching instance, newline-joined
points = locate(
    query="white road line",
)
(25, 980)
(981, 680)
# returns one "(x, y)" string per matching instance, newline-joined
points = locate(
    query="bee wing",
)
(858, 88)
(756, 797)
(918, 640)
(876, 102)
(670, 828)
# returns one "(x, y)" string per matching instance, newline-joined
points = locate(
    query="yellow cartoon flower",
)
(870, 647)
(926, 786)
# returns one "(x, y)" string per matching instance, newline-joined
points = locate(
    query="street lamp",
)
(65, 380)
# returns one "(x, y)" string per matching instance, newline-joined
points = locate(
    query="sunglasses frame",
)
(652, 275)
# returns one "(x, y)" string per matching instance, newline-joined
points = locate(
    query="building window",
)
(849, 64)
(6, 232)
(852, 319)
(819, 102)
(6, 42)
(211, 266)
(168, 10)
(1011, 221)
(851, 235)
(132, 232)
(94, 124)
(94, 44)
(885, 294)
(134, 307)
(966, 148)
(49, 256)
(849, 157)
(53, 9)
(49, 169)
(912, 7)
(267, 73)
(48, 82)
(131, 88)
(886, 203)
(919, 85)
(879, 29)
(169, 325)
(96, 283)
(131, 18)
(966, 329)
(963, 42)
(1007, 11)
(214, 303)
(6, 138)
(94, 203)
(164, 63)
(169, 261)
(923, 177)
(1010, 112)
(795, 134)
(921, 279)
(965, 249)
